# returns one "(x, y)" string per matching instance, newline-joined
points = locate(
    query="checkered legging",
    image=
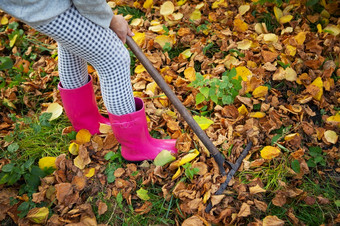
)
(81, 41)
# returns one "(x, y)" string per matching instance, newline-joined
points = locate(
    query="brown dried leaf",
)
(272, 221)
(261, 205)
(256, 189)
(102, 207)
(244, 211)
(279, 199)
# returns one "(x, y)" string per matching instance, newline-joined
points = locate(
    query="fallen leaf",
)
(164, 157)
(148, 4)
(331, 136)
(83, 136)
(244, 210)
(102, 208)
(90, 172)
(190, 74)
(143, 194)
(56, 110)
(279, 199)
(257, 114)
(188, 157)
(38, 215)
(256, 189)
(240, 25)
(260, 91)
(203, 122)
(47, 162)
(270, 152)
(167, 8)
(193, 221)
(272, 221)
(261, 205)
(73, 148)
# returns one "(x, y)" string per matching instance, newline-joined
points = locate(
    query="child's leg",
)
(103, 49)
(72, 69)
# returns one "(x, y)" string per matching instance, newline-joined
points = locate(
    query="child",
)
(87, 31)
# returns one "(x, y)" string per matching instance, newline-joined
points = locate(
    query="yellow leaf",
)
(90, 69)
(90, 172)
(243, 9)
(73, 148)
(206, 196)
(230, 61)
(240, 25)
(4, 20)
(56, 110)
(319, 27)
(151, 87)
(270, 38)
(285, 19)
(318, 83)
(181, 2)
(139, 69)
(245, 44)
(244, 72)
(78, 162)
(139, 38)
(260, 91)
(203, 122)
(243, 110)
(148, 4)
(278, 13)
(218, 3)
(334, 118)
(291, 50)
(137, 94)
(163, 99)
(195, 15)
(186, 53)
(163, 39)
(190, 74)
(332, 29)
(300, 37)
(47, 162)
(291, 136)
(177, 174)
(167, 8)
(13, 40)
(188, 157)
(157, 28)
(290, 74)
(83, 136)
(331, 136)
(136, 22)
(38, 215)
(270, 152)
(105, 128)
(257, 114)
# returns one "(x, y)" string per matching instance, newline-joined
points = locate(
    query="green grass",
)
(46, 142)
(270, 174)
(120, 213)
(127, 10)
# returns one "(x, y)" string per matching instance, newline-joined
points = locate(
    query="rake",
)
(220, 160)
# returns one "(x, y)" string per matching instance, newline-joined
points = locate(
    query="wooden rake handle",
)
(177, 103)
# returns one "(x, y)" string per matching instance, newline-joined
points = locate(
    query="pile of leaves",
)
(260, 71)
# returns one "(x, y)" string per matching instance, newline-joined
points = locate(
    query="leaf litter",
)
(289, 102)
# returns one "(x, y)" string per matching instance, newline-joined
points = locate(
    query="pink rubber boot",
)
(131, 131)
(81, 107)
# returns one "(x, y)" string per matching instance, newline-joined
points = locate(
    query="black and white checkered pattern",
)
(80, 41)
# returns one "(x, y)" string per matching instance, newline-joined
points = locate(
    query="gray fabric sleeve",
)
(98, 11)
